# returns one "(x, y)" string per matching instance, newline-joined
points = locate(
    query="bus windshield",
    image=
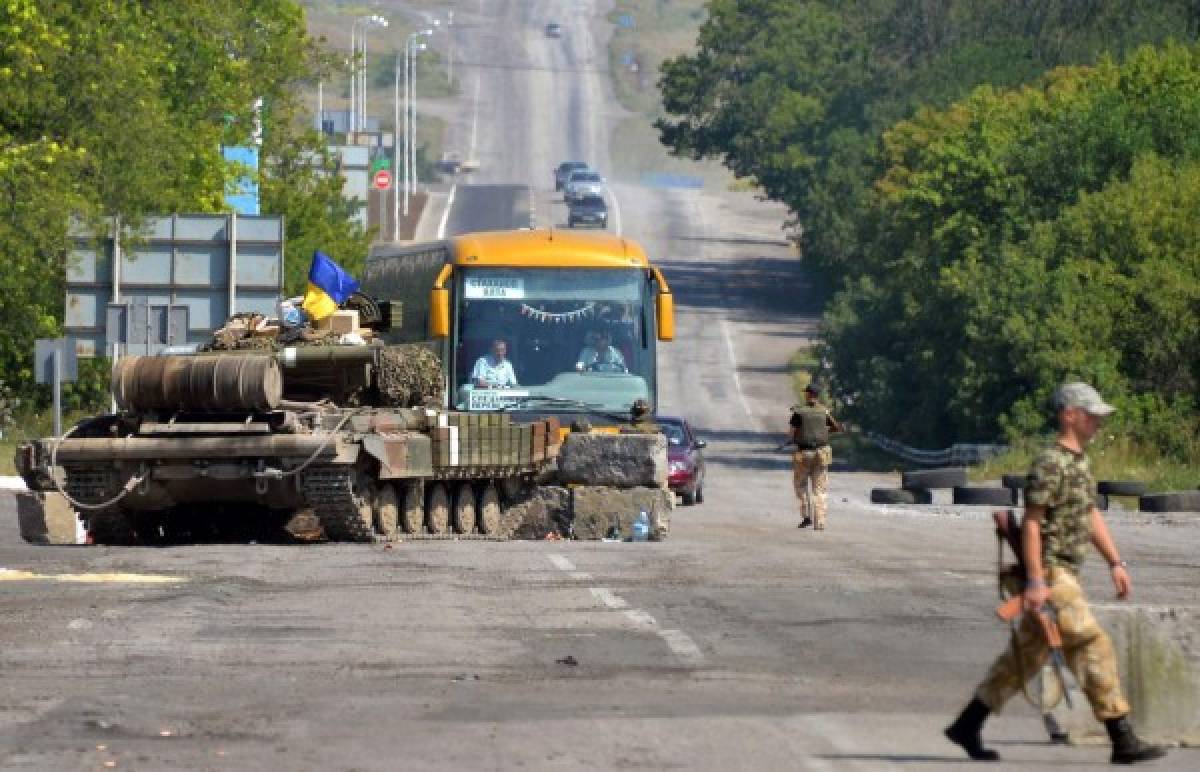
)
(552, 339)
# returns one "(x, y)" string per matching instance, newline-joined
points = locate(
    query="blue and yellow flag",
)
(328, 286)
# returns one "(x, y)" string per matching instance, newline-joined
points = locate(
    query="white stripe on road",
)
(683, 646)
(475, 119)
(737, 379)
(606, 596)
(679, 642)
(616, 208)
(640, 618)
(441, 234)
(562, 563)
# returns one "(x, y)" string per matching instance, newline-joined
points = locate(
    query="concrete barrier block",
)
(546, 509)
(45, 518)
(1158, 649)
(615, 460)
(595, 509)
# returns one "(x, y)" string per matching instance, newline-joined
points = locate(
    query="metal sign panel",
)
(143, 328)
(43, 360)
(211, 265)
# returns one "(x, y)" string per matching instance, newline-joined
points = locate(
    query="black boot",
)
(965, 731)
(1127, 748)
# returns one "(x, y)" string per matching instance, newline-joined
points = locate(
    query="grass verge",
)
(29, 426)
(1111, 458)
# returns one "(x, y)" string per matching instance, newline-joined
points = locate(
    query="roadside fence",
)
(958, 454)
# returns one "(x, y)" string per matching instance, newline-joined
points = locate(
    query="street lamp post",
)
(410, 113)
(358, 70)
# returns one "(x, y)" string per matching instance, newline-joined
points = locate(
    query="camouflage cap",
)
(1081, 395)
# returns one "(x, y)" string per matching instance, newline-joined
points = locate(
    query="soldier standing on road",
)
(1061, 517)
(810, 425)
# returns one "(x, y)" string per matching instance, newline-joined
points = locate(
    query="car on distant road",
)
(685, 459)
(553, 30)
(564, 170)
(589, 210)
(450, 163)
(583, 183)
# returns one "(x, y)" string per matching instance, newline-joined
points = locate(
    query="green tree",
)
(1022, 237)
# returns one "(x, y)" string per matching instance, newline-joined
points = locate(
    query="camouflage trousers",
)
(1087, 649)
(810, 478)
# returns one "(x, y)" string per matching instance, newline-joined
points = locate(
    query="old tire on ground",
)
(463, 516)
(487, 510)
(437, 509)
(387, 511)
(1177, 501)
(984, 497)
(1121, 488)
(1015, 482)
(700, 494)
(412, 513)
(901, 496)
(929, 479)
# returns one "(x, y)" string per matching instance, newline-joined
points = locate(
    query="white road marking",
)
(737, 379)
(641, 618)
(561, 562)
(441, 234)
(608, 598)
(679, 642)
(475, 119)
(616, 208)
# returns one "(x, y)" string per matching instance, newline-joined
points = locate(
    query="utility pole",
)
(450, 47)
(396, 155)
(353, 78)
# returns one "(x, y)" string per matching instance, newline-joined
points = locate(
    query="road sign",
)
(43, 360)
(54, 362)
(383, 179)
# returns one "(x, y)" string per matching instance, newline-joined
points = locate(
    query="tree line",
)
(121, 107)
(995, 196)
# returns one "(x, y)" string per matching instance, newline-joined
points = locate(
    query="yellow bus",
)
(580, 316)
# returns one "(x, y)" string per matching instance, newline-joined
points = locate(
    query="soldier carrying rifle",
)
(810, 426)
(1061, 517)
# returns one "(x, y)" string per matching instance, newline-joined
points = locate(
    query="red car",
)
(685, 461)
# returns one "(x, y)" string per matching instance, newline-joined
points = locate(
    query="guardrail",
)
(959, 454)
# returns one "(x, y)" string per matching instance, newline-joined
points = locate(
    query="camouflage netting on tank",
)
(410, 376)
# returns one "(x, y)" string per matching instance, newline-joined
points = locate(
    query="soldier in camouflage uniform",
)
(810, 425)
(1061, 518)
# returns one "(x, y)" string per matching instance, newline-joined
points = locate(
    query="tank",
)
(349, 438)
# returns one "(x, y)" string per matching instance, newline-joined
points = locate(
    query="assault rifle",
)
(1008, 531)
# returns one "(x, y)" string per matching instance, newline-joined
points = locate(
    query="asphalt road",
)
(739, 643)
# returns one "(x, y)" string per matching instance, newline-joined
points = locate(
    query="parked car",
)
(589, 210)
(450, 163)
(564, 170)
(583, 183)
(553, 30)
(685, 459)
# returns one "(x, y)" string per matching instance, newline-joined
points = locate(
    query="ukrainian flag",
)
(328, 286)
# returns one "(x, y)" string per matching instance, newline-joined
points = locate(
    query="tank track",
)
(105, 526)
(330, 491)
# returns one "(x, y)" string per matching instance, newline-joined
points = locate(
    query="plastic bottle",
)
(641, 527)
